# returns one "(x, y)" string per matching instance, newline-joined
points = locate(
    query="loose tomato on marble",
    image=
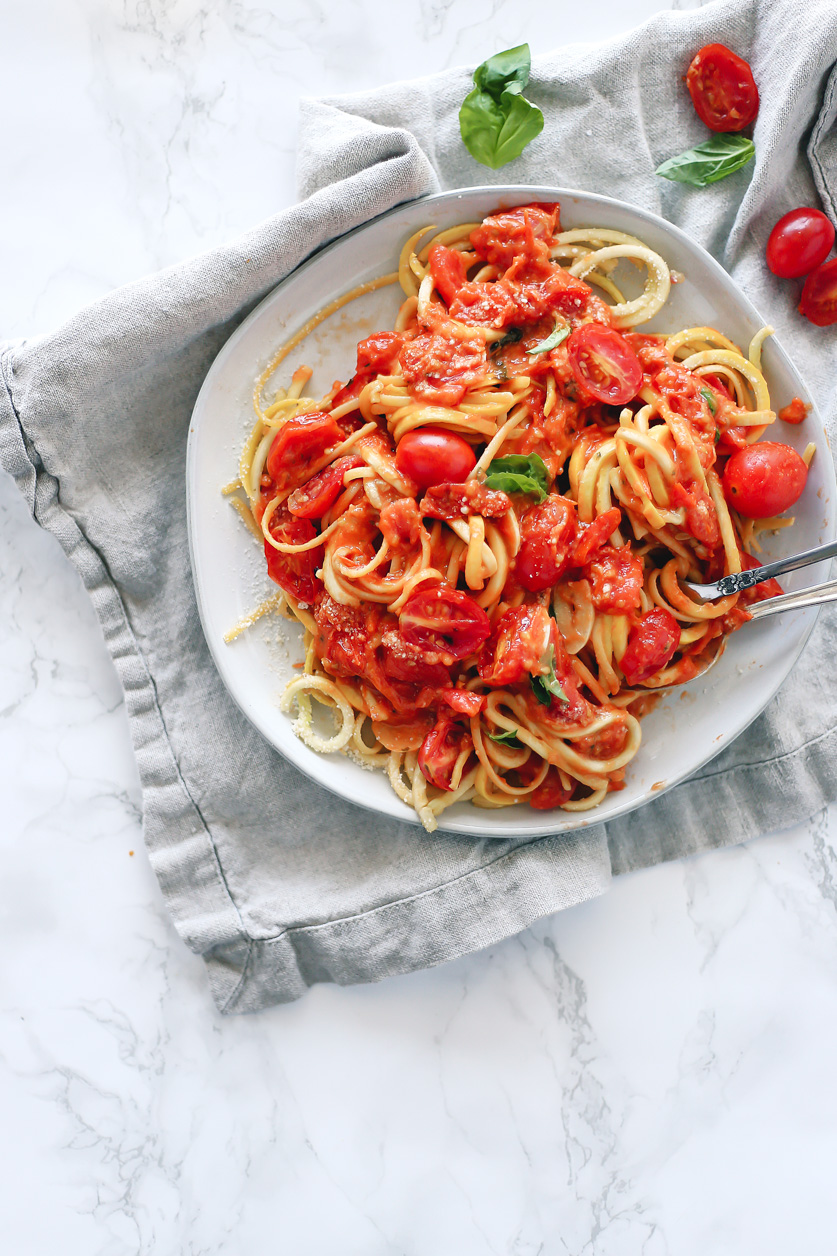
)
(443, 621)
(764, 479)
(447, 267)
(430, 456)
(722, 89)
(547, 532)
(652, 643)
(819, 295)
(799, 242)
(298, 444)
(604, 364)
(440, 750)
(317, 495)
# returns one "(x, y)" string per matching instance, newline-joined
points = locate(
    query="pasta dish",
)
(485, 532)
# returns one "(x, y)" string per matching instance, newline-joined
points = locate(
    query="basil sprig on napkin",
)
(706, 163)
(519, 473)
(495, 121)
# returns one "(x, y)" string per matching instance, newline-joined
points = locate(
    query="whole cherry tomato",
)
(652, 643)
(442, 620)
(764, 479)
(799, 242)
(819, 295)
(430, 455)
(722, 89)
(604, 363)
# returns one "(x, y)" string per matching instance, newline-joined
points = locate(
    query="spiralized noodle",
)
(489, 638)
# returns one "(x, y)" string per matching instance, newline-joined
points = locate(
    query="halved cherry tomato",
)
(517, 646)
(764, 479)
(799, 242)
(722, 89)
(652, 643)
(463, 701)
(604, 363)
(794, 412)
(319, 494)
(440, 750)
(819, 295)
(447, 267)
(298, 444)
(295, 573)
(551, 793)
(430, 455)
(547, 532)
(441, 620)
(407, 663)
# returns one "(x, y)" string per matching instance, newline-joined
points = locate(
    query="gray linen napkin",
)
(277, 884)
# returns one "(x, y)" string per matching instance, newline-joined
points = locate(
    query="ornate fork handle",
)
(746, 579)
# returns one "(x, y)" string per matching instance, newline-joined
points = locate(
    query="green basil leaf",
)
(495, 121)
(510, 338)
(507, 738)
(709, 398)
(556, 338)
(505, 72)
(519, 473)
(710, 161)
(547, 687)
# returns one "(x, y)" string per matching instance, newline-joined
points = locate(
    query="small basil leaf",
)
(706, 163)
(556, 338)
(510, 482)
(709, 398)
(511, 337)
(495, 121)
(547, 687)
(507, 738)
(505, 72)
(521, 467)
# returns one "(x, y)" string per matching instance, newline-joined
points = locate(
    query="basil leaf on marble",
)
(706, 163)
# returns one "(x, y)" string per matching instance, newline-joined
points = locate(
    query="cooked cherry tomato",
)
(439, 369)
(547, 532)
(764, 479)
(440, 750)
(517, 646)
(376, 355)
(604, 363)
(550, 793)
(722, 89)
(819, 295)
(799, 242)
(430, 455)
(652, 643)
(298, 444)
(795, 412)
(615, 579)
(441, 620)
(407, 663)
(463, 701)
(319, 494)
(447, 267)
(592, 535)
(295, 573)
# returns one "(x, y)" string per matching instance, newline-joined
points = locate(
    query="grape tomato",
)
(430, 456)
(819, 295)
(799, 242)
(765, 479)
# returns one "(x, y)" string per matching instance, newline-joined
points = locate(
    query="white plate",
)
(691, 724)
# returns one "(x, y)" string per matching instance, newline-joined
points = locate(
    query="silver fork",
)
(742, 580)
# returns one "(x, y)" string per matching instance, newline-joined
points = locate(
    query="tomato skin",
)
(444, 621)
(295, 573)
(430, 455)
(550, 793)
(799, 242)
(317, 495)
(447, 267)
(439, 751)
(722, 89)
(547, 532)
(764, 479)
(819, 295)
(652, 643)
(297, 445)
(604, 364)
(518, 642)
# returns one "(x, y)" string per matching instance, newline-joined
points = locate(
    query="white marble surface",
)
(652, 1072)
